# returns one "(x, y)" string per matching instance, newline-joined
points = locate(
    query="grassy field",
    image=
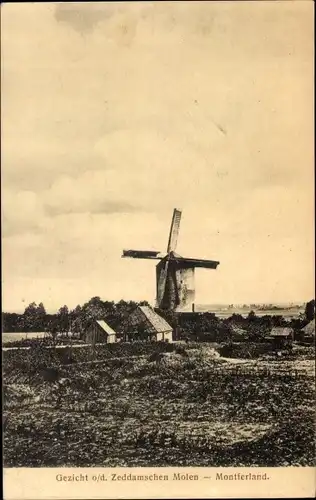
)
(187, 407)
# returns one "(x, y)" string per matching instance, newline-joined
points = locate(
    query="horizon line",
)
(201, 304)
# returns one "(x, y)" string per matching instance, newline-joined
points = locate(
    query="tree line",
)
(36, 319)
(203, 327)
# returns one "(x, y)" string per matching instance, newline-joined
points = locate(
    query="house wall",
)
(289, 333)
(165, 336)
(95, 334)
(169, 336)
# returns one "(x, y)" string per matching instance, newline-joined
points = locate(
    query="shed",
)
(281, 336)
(238, 333)
(309, 331)
(99, 332)
(145, 324)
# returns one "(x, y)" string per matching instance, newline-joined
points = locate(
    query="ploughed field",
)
(157, 405)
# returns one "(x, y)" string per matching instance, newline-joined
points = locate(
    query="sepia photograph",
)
(158, 261)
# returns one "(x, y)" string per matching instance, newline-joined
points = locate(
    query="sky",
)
(113, 114)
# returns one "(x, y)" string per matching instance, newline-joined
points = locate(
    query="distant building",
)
(281, 337)
(99, 332)
(237, 333)
(145, 324)
(308, 332)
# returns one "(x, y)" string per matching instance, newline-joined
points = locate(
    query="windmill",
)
(174, 274)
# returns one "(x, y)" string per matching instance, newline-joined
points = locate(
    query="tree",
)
(251, 316)
(11, 322)
(34, 317)
(41, 316)
(75, 318)
(52, 327)
(310, 310)
(77, 326)
(121, 311)
(63, 320)
(96, 309)
(29, 317)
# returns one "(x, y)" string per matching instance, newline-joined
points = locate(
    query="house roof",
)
(281, 331)
(309, 329)
(105, 327)
(157, 322)
(238, 330)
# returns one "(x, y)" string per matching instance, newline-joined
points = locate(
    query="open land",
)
(286, 312)
(17, 336)
(157, 404)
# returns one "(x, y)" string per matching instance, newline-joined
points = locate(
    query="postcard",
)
(158, 325)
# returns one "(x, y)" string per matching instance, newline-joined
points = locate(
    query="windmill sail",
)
(174, 230)
(141, 254)
(186, 263)
(162, 275)
(174, 274)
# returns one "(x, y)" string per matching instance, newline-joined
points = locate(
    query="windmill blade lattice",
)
(174, 231)
(162, 282)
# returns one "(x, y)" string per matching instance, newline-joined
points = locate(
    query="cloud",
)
(22, 211)
(92, 192)
(113, 115)
(83, 17)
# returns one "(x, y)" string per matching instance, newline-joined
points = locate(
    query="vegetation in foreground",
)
(185, 407)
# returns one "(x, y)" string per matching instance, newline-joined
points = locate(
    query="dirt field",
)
(187, 408)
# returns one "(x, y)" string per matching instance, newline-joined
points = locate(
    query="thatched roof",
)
(281, 331)
(159, 324)
(309, 329)
(238, 330)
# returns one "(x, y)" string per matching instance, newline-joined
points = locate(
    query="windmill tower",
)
(174, 274)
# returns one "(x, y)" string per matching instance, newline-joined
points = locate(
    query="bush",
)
(245, 350)
(39, 356)
(155, 356)
(180, 349)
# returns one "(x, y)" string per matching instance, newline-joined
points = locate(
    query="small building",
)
(281, 337)
(99, 332)
(238, 334)
(145, 324)
(308, 332)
